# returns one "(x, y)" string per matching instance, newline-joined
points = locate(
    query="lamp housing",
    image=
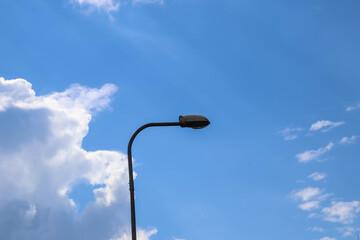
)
(193, 121)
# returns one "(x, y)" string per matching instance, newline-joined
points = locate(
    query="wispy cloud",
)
(140, 234)
(148, 1)
(316, 229)
(342, 212)
(310, 197)
(290, 133)
(111, 5)
(310, 155)
(316, 176)
(347, 230)
(325, 125)
(348, 140)
(306, 194)
(309, 206)
(352, 108)
(327, 238)
(106, 5)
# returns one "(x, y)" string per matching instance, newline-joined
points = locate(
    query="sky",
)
(278, 80)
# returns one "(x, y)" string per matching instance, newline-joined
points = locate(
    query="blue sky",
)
(279, 81)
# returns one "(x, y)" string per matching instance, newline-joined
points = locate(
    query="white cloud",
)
(313, 154)
(348, 140)
(140, 234)
(309, 206)
(352, 108)
(342, 212)
(306, 194)
(41, 159)
(327, 238)
(316, 176)
(149, 1)
(290, 133)
(310, 197)
(106, 5)
(325, 125)
(347, 230)
(316, 229)
(314, 215)
(111, 5)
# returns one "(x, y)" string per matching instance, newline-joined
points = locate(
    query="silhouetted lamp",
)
(189, 121)
(193, 121)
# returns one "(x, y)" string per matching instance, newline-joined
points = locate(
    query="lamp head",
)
(193, 121)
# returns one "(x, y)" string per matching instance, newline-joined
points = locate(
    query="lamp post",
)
(190, 121)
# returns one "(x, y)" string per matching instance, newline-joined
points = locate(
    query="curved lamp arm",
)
(131, 178)
(188, 121)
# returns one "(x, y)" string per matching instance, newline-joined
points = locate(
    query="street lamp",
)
(190, 121)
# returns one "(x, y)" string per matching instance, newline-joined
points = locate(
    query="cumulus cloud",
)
(316, 176)
(290, 133)
(41, 160)
(348, 140)
(310, 155)
(352, 108)
(342, 212)
(325, 125)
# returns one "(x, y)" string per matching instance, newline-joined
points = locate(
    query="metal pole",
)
(131, 178)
